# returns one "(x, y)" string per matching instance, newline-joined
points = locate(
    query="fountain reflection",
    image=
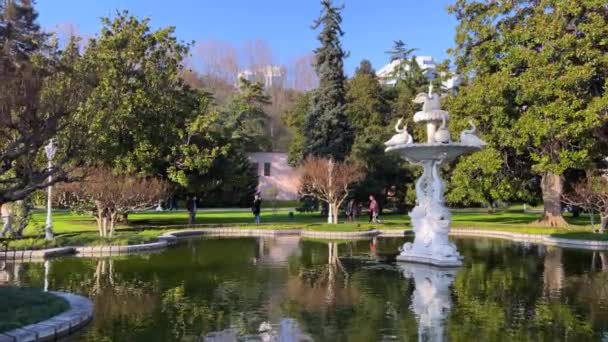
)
(431, 301)
(287, 330)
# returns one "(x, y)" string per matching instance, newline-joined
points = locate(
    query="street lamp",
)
(50, 150)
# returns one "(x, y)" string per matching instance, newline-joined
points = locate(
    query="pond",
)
(289, 289)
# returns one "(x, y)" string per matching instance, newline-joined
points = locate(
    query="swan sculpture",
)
(401, 138)
(468, 137)
(442, 135)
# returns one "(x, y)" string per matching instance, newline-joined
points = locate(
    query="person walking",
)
(373, 209)
(191, 206)
(351, 209)
(256, 207)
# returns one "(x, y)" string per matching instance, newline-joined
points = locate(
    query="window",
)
(267, 169)
(256, 167)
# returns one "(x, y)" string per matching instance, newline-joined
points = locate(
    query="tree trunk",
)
(552, 186)
(113, 217)
(104, 225)
(99, 218)
(335, 213)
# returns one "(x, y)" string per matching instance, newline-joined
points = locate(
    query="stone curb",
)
(534, 238)
(78, 315)
(37, 253)
(339, 235)
(172, 238)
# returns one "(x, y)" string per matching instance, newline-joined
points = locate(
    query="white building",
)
(269, 75)
(276, 177)
(429, 69)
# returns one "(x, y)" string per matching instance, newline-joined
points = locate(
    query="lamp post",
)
(50, 150)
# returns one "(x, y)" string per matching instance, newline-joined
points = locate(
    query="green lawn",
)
(73, 229)
(22, 306)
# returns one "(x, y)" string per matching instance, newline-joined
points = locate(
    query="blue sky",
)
(370, 26)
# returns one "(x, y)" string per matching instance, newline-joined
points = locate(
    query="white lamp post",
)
(50, 150)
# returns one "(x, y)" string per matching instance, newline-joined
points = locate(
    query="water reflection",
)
(431, 300)
(284, 289)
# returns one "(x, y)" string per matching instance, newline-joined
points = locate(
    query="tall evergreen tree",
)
(326, 127)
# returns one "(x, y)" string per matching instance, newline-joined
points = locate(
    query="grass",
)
(80, 230)
(120, 238)
(21, 306)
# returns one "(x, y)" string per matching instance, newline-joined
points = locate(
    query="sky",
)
(370, 26)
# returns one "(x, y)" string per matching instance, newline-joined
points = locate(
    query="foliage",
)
(231, 180)
(481, 178)
(327, 130)
(39, 91)
(537, 71)
(366, 102)
(369, 111)
(329, 181)
(135, 76)
(294, 118)
(244, 121)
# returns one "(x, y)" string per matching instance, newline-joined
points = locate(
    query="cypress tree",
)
(327, 130)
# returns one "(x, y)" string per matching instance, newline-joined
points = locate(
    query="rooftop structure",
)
(429, 69)
(269, 75)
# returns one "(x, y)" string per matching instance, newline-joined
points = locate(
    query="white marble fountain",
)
(430, 218)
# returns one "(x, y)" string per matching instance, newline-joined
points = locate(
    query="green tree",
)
(369, 111)
(144, 117)
(294, 118)
(39, 92)
(244, 120)
(537, 76)
(366, 102)
(327, 130)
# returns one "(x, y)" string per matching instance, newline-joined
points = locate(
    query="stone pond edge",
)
(171, 238)
(76, 317)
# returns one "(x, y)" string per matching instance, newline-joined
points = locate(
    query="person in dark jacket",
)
(256, 208)
(351, 210)
(191, 207)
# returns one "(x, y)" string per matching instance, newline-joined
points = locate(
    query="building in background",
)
(276, 176)
(429, 69)
(269, 75)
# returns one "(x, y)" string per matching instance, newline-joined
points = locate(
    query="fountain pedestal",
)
(430, 218)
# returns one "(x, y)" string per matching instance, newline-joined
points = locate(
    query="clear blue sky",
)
(370, 26)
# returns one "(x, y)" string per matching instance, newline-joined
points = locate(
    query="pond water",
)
(289, 289)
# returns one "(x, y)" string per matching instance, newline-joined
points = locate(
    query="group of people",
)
(354, 208)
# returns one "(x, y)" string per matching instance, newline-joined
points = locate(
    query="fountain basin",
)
(416, 153)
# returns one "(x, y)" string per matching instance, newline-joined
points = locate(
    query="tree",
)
(537, 75)
(329, 181)
(369, 111)
(591, 194)
(108, 195)
(244, 120)
(482, 178)
(135, 73)
(294, 118)
(39, 92)
(401, 56)
(231, 180)
(366, 103)
(327, 130)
